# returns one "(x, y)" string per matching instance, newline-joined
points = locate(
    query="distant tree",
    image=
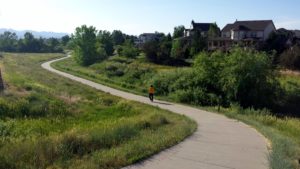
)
(278, 41)
(290, 58)
(8, 41)
(65, 40)
(150, 49)
(214, 31)
(178, 31)
(105, 38)
(29, 43)
(53, 45)
(158, 51)
(177, 51)
(85, 45)
(127, 49)
(118, 37)
(198, 43)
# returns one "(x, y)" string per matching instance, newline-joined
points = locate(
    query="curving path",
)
(218, 143)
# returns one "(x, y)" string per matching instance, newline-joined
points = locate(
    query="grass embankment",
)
(127, 74)
(47, 121)
(282, 132)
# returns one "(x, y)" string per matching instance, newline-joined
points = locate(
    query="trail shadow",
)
(164, 103)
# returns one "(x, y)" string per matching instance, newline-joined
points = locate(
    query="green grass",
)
(47, 121)
(122, 73)
(282, 132)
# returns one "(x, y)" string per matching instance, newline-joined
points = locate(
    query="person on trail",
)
(151, 93)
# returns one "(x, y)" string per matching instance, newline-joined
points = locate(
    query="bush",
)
(128, 50)
(290, 59)
(136, 72)
(115, 69)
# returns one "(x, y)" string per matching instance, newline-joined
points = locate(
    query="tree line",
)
(9, 42)
(91, 45)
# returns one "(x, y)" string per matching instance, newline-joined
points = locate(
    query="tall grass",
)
(47, 121)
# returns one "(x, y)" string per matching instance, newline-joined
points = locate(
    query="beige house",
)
(245, 33)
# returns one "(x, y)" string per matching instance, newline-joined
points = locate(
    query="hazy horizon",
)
(139, 16)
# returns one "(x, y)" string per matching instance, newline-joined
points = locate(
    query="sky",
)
(141, 16)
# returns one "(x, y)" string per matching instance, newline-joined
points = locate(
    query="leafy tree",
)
(214, 31)
(198, 43)
(177, 51)
(117, 37)
(150, 49)
(158, 51)
(178, 31)
(8, 41)
(29, 43)
(291, 58)
(105, 38)
(85, 45)
(248, 77)
(278, 41)
(65, 40)
(243, 76)
(128, 50)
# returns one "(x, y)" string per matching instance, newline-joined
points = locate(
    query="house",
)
(203, 28)
(245, 33)
(146, 37)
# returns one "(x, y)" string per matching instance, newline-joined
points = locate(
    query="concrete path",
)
(218, 143)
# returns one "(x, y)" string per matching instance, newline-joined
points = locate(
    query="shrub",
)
(291, 58)
(128, 50)
(115, 69)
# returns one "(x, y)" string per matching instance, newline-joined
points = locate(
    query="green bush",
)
(114, 69)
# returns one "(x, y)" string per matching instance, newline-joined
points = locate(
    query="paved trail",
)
(218, 143)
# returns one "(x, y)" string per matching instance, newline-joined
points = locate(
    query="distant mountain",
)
(36, 34)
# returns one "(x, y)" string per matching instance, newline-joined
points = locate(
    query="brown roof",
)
(256, 25)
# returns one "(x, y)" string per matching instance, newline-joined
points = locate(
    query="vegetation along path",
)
(218, 143)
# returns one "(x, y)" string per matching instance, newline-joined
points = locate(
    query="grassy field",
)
(282, 132)
(47, 121)
(127, 74)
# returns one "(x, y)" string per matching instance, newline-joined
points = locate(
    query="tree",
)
(117, 37)
(85, 45)
(177, 51)
(278, 41)
(291, 58)
(158, 51)
(214, 31)
(198, 43)
(248, 77)
(65, 40)
(53, 45)
(128, 50)
(105, 38)
(8, 41)
(29, 43)
(178, 31)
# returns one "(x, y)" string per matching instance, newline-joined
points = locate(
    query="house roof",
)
(255, 25)
(201, 26)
